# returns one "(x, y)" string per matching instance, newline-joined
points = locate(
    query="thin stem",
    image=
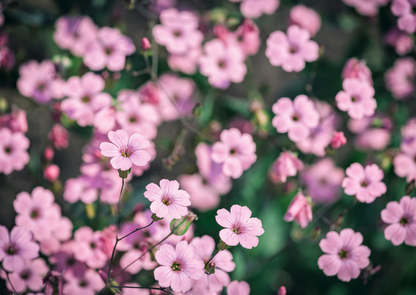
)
(212, 257)
(137, 229)
(10, 282)
(148, 288)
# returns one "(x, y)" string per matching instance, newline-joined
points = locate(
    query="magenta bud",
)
(282, 291)
(145, 44)
(338, 140)
(48, 153)
(51, 172)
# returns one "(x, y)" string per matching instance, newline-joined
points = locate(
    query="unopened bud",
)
(89, 208)
(222, 245)
(339, 221)
(316, 232)
(282, 291)
(51, 172)
(338, 140)
(180, 226)
(155, 218)
(3, 105)
(210, 268)
(48, 153)
(123, 174)
(145, 44)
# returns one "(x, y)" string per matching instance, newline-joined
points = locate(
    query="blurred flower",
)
(399, 78)
(80, 188)
(178, 266)
(344, 256)
(51, 172)
(402, 42)
(404, 10)
(373, 132)
(186, 63)
(338, 140)
(246, 36)
(282, 291)
(299, 210)
(405, 165)
(402, 219)
(88, 284)
(238, 288)
(13, 151)
(287, 164)
(357, 69)
(59, 136)
(366, 7)
(145, 44)
(48, 153)
(292, 50)
(15, 121)
(203, 196)
(306, 18)
(255, 8)
(296, 118)
(88, 247)
(239, 227)
(364, 183)
(244, 125)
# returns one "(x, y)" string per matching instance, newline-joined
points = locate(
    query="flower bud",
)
(48, 153)
(338, 140)
(145, 44)
(51, 172)
(155, 218)
(180, 226)
(222, 245)
(3, 105)
(210, 268)
(282, 291)
(123, 174)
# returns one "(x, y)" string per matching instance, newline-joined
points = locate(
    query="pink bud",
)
(338, 140)
(299, 210)
(355, 68)
(59, 136)
(145, 44)
(221, 32)
(48, 153)
(282, 291)
(51, 173)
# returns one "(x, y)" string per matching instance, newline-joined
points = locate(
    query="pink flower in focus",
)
(338, 140)
(299, 210)
(178, 266)
(366, 7)
(306, 18)
(222, 63)
(407, 18)
(109, 50)
(239, 227)
(59, 136)
(323, 181)
(357, 98)
(236, 151)
(402, 219)
(13, 154)
(399, 78)
(292, 50)
(17, 248)
(364, 183)
(178, 31)
(15, 121)
(88, 284)
(81, 188)
(238, 288)
(355, 68)
(51, 173)
(186, 63)
(126, 151)
(287, 164)
(296, 118)
(85, 98)
(28, 278)
(255, 8)
(167, 199)
(402, 42)
(344, 256)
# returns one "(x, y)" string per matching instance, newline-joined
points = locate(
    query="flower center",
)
(126, 153)
(221, 63)
(237, 229)
(364, 183)
(86, 99)
(136, 246)
(293, 49)
(12, 249)
(355, 98)
(41, 87)
(8, 150)
(233, 151)
(295, 117)
(404, 221)
(132, 119)
(35, 214)
(83, 283)
(166, 200)
(342, 254)
(323, 182)
(177, 33)
(176, 266)
(108, 50)
(70, 261)
(93, 245)
(25, 274)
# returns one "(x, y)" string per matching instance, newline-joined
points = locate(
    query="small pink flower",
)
(239, 227)
(402, 219)
(355, 68)
(247, 37)
(399, 78)
(299, 210)
(344, 256)
(405, 165)
(402, 42)
(59, 136)
(338, 140)
(255, 8)
(287, 164)
(145, 44)
(366, 7)
(17, 248)
(186, 63)
(15, 121)
(292, 50)
(87, 284)
(373, 132)
(81, 188)
(357, 98)
(178, 31)
(126, 151)
(222, 63)
(236, 151)
(178, 266)
(295, 117)
(167, 199)
(238, 288)
(51, 172)
(407, 18)
(365, 184)
(306, 18)
(13, 154)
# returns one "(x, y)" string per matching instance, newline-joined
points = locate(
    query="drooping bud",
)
(155, 218)
(145, 44)
(315, 233)
(180, 226)
(222, 245)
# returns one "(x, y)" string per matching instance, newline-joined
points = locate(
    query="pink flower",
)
(81, 188)
(203, 196)
(247, 37)
(355, 68)
(48, 153)
(65, 261)
(373, 132)
(39, 81)
(28, 278)
(238, 288)
(295, 117)
(17, 248)
(13, 154)
(186, 63)
(236, 151)
(299, 210)
(405, 165)
(145, 44)
(338, 140)
(85, 98)
(178, 31)
(306, 18)
(178, 266)
(323, 181)
(135, 290)
(366, 7)
(402, 42)
(344, 256)
(402, 219)
(404, 10)
(215, 282)
(109, 50)
(408, 131)
(365, 184)
(287, 164)
(167, 199)
(75, 33)
(292, 50)
(15, 121)
(357, 98)
(87, 284)
(88, 247)
(239, 227)
(399, 78)
(59, 136)
(61, 231)
(126, 151)
(222, 63)
(244, 125)
(255, 8)
(51, 172)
